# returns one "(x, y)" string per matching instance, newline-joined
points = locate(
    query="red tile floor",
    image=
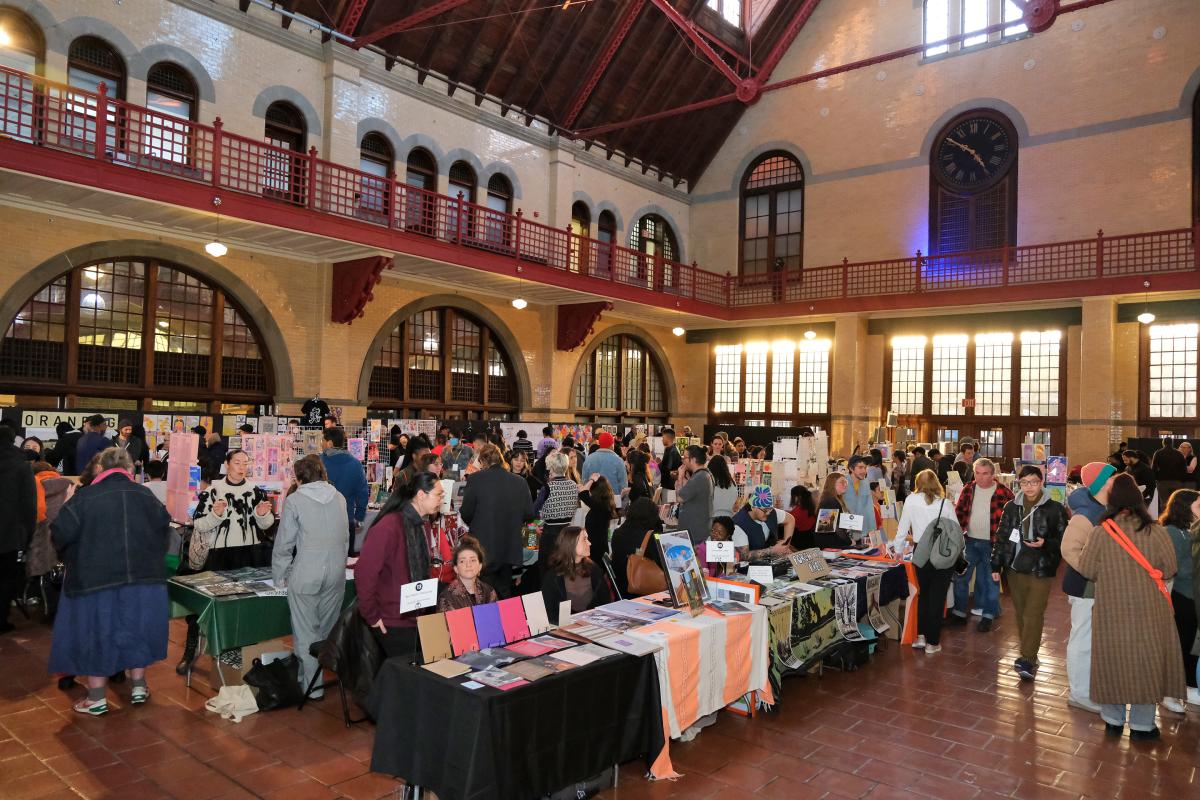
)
(958, 726)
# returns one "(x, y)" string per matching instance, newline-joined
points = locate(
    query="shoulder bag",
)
(642, 575)
(1122, 538)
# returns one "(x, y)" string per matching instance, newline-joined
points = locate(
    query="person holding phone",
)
(1027, 549)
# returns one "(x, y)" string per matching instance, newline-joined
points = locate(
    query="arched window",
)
(85, 333)
(23, 50)
(90, 62)
(446, 363)
(654, 237)
(496, 222)
(606, 234)
(376, 160)
(283, 174)
(973, 184)
(420, 210)
(499, 194)
(581, 226)
(620, 379)
(772, 224)
(171, 94)
(462, 181)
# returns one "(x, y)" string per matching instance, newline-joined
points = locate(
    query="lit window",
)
(728, 379)
(993, 374)
(756, 377)
(729, 10)
(1173, 370)
(946, 18)
(1040, 373)
(908, 374)
(814, 377)
(991, 443)
(949, 385)
(783, 359)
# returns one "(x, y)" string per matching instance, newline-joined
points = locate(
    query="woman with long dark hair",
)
(1135, 648)
(725, 491)
(639, 475)
(397, 551)
(573, 575)
(597, 495)
(1179, 518)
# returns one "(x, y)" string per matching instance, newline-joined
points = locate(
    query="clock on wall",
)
(974, 154)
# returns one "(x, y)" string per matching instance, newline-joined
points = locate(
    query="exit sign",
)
(968, 402)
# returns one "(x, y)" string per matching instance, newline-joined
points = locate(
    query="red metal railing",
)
(90, 124)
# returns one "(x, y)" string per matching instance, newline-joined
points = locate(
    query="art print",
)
(845, 606)
(874, 614)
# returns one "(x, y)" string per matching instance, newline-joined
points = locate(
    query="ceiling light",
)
(162, 323)
(216, 249)
(519, 303)
(5, 38)
(678, 331)
(810, 334)
(1145, 318)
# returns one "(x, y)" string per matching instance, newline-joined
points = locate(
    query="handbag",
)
(197, 546)
(277, 684)
(642, 575)
(1121, 538)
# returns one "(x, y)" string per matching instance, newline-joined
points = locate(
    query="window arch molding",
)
(508, 342)
(670, 394)
(652, 209)
(754, 156)
(492, 170)
(274, 94)
(30, 30)
(280, 380)
(69, 30)
(156, 54)
(773, 210)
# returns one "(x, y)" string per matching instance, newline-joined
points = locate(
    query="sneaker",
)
(1083, 704)
(930, 649)
(977, 612)
(1153, 733)
(919, 643)
(93, 707)
(1193, 698)
(1174, 705)
(139, 694)
(984, 625)
(1024, 669)
(954, 619)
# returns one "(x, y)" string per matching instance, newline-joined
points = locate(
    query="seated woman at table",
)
(832, 496)
(396, 552)
(112, 536)
(466, 589)
(628, 537)
(310, 559)
(722, 531)
(573, 575)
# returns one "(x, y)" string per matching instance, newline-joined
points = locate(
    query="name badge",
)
(1015, 536)
(419, 594)
(719, 552)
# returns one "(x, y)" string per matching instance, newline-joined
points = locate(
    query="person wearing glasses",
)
(1027, 549)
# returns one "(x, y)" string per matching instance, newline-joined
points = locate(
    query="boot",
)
(189, 648)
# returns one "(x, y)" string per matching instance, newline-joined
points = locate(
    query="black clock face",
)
(974, 154)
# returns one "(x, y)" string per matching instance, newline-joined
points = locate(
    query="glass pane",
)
(814, 377)
(908, 375)
(756, 377)
(993, 374)
(783, 362)
(1040, 373)
(1011, 14)
(1173, 370)
(949, 385)
(974, 18)
(937, 24)
(727, 383)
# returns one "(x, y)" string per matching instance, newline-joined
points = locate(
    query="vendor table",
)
(231, 622)
(487, 744)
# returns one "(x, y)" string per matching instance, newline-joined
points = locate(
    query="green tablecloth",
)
(230, 622)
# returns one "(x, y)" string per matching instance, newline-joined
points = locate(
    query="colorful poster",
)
(1056, 471)
(814, 627)
(685, 579)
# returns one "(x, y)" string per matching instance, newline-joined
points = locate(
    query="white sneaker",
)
(919, 643)
(1085, 705)
(1174, 705)
(930, 649)
(978, 612)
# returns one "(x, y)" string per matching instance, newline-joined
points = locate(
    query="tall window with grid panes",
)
(781, 383)
(1167, 399)
(620, 380)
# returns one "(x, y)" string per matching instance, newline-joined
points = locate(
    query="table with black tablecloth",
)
(487, 744)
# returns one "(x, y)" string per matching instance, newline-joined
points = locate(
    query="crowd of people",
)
(597, 507)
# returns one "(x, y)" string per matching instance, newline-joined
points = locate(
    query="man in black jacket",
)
(1170, 471)
(64, 448)
(18, 498)
(920, 462)
(496, 504)
(671, 461)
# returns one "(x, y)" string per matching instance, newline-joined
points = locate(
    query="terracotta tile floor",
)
(958, 726)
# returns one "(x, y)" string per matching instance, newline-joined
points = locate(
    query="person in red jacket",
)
(979, 509)
(396, 552)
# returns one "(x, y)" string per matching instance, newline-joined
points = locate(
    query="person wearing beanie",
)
(1086, 505)
(608, 464)
(756, 525)
(1135, 647)
(130, 443)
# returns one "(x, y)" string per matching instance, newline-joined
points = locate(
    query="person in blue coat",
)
(93, 439)
(347, 475)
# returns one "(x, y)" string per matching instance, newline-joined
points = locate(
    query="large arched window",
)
(973, 184)
(772, 219)
(581, 226)
(420, 210)
(23, 49)
(171, 94)
(376, 159)
(283, 174)
(620, 380)
(444, 362)
(85, 333)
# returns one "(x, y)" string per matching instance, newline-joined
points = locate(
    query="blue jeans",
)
(987, 591)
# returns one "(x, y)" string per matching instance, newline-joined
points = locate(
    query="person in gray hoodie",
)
(309, 559)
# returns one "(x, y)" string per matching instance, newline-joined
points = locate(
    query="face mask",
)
(454, 442)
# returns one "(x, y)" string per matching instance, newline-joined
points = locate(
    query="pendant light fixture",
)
(678, 331)
(216, 248)
(1147, 316)
(519, 302)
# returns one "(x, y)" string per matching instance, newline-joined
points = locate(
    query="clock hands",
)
(969, 151)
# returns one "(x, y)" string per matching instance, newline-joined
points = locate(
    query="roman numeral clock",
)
(973, 155)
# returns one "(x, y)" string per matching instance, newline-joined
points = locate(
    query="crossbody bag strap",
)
(641, 551)
(1123, 539)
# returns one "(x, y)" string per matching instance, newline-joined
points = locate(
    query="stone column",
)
(1093, 411)
(850, 413)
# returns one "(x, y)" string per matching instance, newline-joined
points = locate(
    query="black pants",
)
(1185, 623)
(931, 604)
(12, 583)
(400, 642)
(500, 578)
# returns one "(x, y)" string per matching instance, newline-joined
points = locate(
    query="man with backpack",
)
(1028, 549)
(979, 509)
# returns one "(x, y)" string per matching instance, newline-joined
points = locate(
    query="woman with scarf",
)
(397, 552)
(112, 536)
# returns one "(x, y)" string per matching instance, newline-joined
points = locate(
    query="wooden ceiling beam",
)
(455, 80)
(546, 37)
(568, 43)
(485, 80)
(600, 62)
(428, 51)
(670, 54)
(701, 88)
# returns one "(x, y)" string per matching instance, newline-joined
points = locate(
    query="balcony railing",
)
(91, 124)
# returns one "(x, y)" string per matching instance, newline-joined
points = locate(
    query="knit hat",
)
(762, 497)
(1095, 474)
(605, 440)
